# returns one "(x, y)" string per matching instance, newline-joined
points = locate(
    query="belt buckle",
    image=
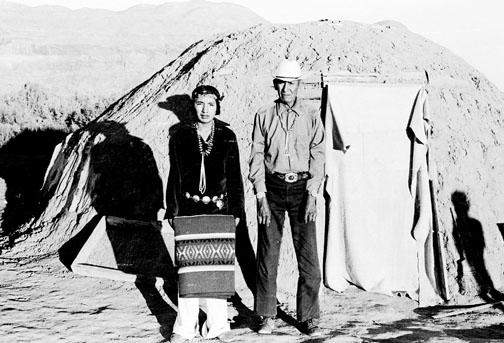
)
(291, 177)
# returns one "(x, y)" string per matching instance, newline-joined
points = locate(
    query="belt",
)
(292, 177)
(217, 200)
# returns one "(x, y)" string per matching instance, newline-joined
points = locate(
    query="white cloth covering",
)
(376, 170)
(186, 323)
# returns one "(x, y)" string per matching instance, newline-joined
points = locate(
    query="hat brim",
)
(290, 78)
(283, 78)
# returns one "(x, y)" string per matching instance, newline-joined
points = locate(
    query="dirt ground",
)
(43, 302)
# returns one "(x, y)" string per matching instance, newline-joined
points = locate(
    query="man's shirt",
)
(287, 140)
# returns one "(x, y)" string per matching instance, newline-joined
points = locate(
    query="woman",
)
(205, 178)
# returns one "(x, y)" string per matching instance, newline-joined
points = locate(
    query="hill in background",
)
(58, 63)
(100, 51)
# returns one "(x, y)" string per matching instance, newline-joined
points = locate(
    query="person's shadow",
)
(182, 107)
(127, 185)
(470, 244)
(124, 182)
(124, 175)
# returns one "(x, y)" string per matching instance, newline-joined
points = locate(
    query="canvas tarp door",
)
(376, 168)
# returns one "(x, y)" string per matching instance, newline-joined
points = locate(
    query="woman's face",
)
(206, 107)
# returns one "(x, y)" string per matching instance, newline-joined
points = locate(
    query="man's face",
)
(287, 90)
(206, 108)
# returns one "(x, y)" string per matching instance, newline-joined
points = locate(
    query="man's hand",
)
(237, 221)
(311, 209)
(263, 211)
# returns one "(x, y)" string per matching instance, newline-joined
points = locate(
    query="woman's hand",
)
(160, 214)
(166, 225)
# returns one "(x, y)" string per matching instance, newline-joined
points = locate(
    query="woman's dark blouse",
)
(222, 167)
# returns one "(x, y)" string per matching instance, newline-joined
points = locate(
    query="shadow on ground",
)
(404, 330)
(495, 332)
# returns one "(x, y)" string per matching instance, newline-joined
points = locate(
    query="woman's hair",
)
(207, 89)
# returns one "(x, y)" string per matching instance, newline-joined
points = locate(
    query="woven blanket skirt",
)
(205, 255)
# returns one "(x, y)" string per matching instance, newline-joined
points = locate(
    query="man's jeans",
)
(290, 197)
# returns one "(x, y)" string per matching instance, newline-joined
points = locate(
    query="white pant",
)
(186, 324)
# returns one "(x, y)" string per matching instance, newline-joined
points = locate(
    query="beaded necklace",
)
(204, 151)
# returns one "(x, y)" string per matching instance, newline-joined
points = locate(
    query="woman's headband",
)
(204, 90)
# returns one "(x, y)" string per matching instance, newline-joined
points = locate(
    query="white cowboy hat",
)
(288, 70)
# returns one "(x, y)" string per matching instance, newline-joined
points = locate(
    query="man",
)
(287, 169)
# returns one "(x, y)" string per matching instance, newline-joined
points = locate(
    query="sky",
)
(472, 29)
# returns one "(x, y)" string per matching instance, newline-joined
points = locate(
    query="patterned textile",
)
(200, 252)
(205, 255)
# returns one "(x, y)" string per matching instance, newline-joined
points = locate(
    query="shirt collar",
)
(283, 108)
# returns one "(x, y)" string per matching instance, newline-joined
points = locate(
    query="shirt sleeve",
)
(317, 155)
(256, 163)
(234, 180)
(174, 184)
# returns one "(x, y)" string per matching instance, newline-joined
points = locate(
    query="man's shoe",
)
(176, 338)
(266, 326)
(311, 328)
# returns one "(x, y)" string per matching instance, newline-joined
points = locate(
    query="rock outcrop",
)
(119, 162)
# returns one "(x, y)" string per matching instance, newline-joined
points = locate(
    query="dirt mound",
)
(466, 145)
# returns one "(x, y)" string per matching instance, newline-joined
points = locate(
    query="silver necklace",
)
(204, 151)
